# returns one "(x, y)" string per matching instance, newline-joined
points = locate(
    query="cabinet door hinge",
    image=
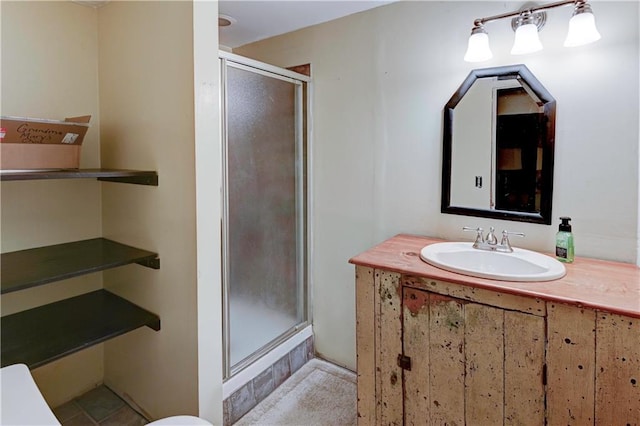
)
(404, 362)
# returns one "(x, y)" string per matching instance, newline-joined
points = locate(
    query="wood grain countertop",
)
(599, 284)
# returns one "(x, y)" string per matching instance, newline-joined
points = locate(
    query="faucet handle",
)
(491, 237)
(505, 238)
(478, 230)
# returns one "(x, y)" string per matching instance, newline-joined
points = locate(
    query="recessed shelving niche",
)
(46, 333)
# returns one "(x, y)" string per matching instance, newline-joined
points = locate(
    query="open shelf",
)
(112, 175)
(38, 336)
(33, 267)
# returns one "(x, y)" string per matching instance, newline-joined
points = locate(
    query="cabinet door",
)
(617, 369)
(470, 363)
(593, 363)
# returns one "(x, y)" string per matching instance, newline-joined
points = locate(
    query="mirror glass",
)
(498, 143)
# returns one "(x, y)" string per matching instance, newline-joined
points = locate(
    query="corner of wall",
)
(208, 168)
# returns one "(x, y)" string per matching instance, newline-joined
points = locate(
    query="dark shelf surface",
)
(38, 336)
(33, 267)
(139, 177)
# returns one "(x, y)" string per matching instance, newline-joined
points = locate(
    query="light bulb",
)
(526, 40)
(582, 28)
(478, 49)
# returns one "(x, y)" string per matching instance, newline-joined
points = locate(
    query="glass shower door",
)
(264, 229)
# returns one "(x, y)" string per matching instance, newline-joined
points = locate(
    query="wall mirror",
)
(498, 143)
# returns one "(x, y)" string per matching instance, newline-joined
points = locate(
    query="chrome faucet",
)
(490, 242)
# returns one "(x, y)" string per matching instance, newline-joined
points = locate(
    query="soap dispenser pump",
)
(564, 241)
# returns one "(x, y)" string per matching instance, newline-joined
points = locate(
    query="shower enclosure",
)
(265, 226)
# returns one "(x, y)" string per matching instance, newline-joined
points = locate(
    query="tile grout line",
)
(81, 411)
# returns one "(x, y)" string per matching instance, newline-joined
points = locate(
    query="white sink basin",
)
(521, 265)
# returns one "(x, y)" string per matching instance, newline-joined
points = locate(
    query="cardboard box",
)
(28, 143)
(38, 156)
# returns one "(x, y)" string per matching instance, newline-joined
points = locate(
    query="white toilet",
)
(23, 404)
(180, 421)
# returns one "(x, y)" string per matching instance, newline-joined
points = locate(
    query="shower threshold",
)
(253, 370)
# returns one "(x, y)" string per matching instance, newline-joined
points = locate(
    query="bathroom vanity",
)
(437, 347)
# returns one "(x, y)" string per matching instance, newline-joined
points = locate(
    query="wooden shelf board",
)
(44, 334)
(33, 267)
(139, 177)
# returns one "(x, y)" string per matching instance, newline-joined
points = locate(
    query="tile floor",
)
(99, 406)
(102, 407)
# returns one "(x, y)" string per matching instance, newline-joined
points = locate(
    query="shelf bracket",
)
(154, 325)
(150, 263)
(151, 179)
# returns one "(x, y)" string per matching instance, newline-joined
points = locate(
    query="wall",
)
(143, 111)
(49, 70)
(381, 79)
(147, 110)
(206, 84)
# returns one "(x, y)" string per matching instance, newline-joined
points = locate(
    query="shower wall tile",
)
(264, 384)
(281, 370)
(226, 406)
(241, 401)
(298, 357)
(311, 352)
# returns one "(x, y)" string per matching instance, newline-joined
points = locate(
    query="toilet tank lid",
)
(22, 402)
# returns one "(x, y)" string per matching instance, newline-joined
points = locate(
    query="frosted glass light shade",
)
(478, 49)
(582, 30)
(527, 40)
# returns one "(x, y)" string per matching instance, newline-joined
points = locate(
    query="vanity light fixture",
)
(526, 23)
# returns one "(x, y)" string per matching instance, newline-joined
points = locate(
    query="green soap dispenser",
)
(564, 241)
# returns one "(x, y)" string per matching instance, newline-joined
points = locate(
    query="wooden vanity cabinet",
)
(434, 352)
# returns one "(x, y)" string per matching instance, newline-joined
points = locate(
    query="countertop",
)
(599, 284)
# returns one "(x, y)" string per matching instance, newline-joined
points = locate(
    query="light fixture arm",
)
(482, 21)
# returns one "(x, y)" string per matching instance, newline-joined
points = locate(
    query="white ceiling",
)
(260, 19)
(255, 20)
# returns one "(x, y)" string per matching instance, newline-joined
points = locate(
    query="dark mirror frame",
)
(522, 73)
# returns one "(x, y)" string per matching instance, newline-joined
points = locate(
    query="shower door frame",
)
(303, 220)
